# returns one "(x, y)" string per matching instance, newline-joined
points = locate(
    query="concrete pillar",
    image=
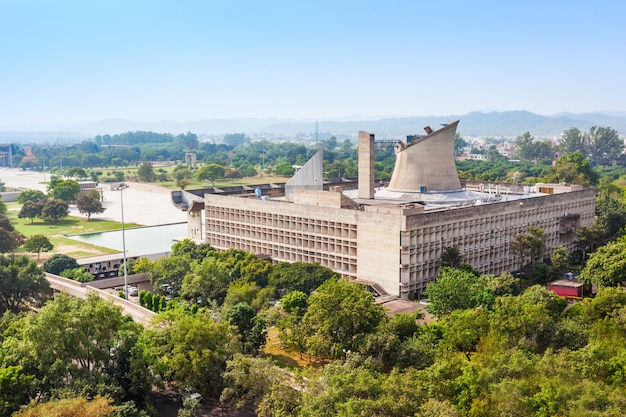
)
(366, 165)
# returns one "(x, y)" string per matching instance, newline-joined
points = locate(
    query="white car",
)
(189, 393)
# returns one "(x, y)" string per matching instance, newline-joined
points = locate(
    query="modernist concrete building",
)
(391, 237)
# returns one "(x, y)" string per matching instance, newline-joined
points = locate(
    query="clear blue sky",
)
(66, 62)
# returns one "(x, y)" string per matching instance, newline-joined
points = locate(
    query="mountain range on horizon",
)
(490, 124)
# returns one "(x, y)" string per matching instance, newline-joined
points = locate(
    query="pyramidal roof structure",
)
(309, 177)
(426, 163)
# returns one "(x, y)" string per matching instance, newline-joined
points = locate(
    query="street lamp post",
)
(121, 187)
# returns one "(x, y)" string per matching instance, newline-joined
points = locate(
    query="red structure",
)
(566, 288)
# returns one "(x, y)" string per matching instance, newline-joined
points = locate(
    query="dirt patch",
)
(167, 402)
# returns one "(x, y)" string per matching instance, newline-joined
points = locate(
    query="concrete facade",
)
(427, 163)
(394, 244)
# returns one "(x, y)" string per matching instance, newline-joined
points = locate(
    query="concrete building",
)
(391, 237)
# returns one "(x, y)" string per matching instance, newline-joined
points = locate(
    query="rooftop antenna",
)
(316, 133)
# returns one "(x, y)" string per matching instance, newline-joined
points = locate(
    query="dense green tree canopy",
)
(457, 289)
(55, 210)
(607, 266)
(65, 190)
(211, 172)
(37, 244)
(59, 262)
(339, 315)
(21, 281)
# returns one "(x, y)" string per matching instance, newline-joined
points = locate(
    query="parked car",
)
(132, 290)
(193, 394)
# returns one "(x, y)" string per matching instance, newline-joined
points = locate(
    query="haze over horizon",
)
(73, 62)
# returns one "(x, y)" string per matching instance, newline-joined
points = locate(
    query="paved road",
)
(144, 204)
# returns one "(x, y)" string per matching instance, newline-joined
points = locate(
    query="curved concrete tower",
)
(427, 163)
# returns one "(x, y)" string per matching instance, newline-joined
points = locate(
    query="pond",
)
(140, 240)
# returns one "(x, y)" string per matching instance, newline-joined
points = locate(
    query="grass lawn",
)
(56, 232)
(286, 358)
(196, 185)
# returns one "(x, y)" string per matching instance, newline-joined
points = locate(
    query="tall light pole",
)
(121, 187)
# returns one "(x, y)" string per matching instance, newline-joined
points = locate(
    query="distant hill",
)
(494, 124)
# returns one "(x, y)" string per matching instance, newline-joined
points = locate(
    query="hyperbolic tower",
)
(426, 163)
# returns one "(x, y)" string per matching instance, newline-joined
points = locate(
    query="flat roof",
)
(566, 283)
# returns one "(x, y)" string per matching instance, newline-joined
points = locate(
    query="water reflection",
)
(139, 241)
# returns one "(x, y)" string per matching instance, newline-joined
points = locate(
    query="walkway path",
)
(144, 204)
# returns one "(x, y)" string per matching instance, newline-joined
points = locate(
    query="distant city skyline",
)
(74, 62)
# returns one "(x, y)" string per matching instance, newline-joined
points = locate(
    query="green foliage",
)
(77, 274)
(75, 346)
(65, 190)
(210, 172)
(58, 263)
(339, 316)
(30, 195)
(249, 380)
(21, 281)
(607, 266)
(299, 276)
(90, 203)
(529, 245)
(250, 327)
(32, 209)
(14, 389)
(190, 350)
(10, 239)
(456, 289)
(451, 257)
(574, 169)
(55, 210)
(145, 172)
(37, 244)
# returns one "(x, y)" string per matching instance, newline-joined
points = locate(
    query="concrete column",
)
(366, 165)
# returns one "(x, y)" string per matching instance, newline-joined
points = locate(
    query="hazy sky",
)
(65, 62)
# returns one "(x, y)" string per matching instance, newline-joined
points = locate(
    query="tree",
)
(190, 349)
(90, 203)
(37, 244)
(573, 169)
(77, 274)
(459, 145)
(208, 280)
(14, 389)
(21, 281)
(451, 257)
(339, 316)
(30, 195)
(529, 245)
(559, 259)
(251, 328)
(182, 175)
(55, 210)
(59, 262)
(249, 380)
(572, 141)
(610, 215)
(65, 190)
(32, 209)
(299, 276)
(77, 172)
(145, 172)
(76, 346)
(283, 168)
(10, 239)
(210, 172)
(605, 145)
(456, 289)
(524, 148)
(607, 266)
